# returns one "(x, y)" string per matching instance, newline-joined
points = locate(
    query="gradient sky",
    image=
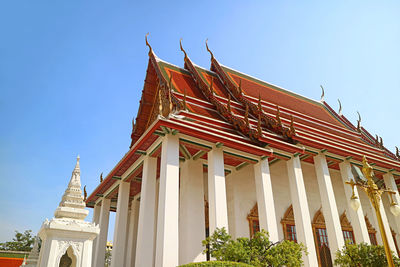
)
(71, 75)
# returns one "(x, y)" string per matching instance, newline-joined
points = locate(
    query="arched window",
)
(371, 232)
(347, 229)
(254, 223)
(321, 239)
(289, 227)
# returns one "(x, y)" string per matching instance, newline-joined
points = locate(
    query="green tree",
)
(363, 255)
(257, 251)
(21, 242)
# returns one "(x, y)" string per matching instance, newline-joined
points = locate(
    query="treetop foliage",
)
(21, 242)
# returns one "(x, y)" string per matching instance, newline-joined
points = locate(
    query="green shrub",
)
(217, 264)
(258, 251)
(356, 255)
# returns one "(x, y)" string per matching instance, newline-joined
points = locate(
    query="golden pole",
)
(374, 194)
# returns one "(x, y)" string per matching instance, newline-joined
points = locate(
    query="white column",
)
(167, 245)
(96, 218)
(329, 208)
(191, 213)
(356, 217)
(390, 183)
(146, 223)
(101, 240)
(301, 211)
(265, 199)
(132, 234)
(121, 220)
(218, 209)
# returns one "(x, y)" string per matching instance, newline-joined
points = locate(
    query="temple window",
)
(321, 239)
(371, 232)
(289, 227)
(254, 223)
(347, 229)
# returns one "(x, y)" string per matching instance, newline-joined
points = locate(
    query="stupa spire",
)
(72, 204)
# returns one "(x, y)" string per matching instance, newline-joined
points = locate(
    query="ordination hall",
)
(213, 148)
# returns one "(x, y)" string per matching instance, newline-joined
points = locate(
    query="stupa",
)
(67, 237)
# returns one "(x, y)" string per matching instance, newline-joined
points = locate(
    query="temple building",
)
(215, 148)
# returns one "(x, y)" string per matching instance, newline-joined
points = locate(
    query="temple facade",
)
(218, 148)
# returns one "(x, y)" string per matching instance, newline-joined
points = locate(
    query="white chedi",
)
(72, 204)
(67, 235)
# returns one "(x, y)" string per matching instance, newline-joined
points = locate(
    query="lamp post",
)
(374, 194)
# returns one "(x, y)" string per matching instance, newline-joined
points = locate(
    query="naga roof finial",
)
(147, 43)
(259, 130)
(183, 50)
(228, 106)
(278, 116)
(323, 93)
(292, 129)
(240, 87)
(359, 122)
(208, 49)
(381, 142)
(246, 116)
(397, 153)
(101, 177)
(340, 107)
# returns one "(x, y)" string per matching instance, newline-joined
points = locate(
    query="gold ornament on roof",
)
(240, 87)
(246, 116)
(228, 105)
(359, 122)
(209, 51)
(278, 116)
(84, 193)
(259, 130)
(183, 50)
(101, 177)
(397, 153)
(323, 93)
(340, 107)
(292, 129)
(147, 43)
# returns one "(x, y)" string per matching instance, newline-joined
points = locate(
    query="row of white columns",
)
(171, 215)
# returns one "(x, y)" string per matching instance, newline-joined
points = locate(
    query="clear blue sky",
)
(71, 75)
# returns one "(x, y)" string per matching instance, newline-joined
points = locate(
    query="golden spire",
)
(147, 43)
(209, 51)
(183, 50)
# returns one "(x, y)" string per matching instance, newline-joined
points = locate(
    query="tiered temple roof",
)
(224, 106)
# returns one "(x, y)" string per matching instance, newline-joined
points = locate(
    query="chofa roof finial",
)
(359, 122)
(208, 49)
(183, 50)
(323, 93)
(397, 153)
(101, 177)
(340, 107)
(147, 43)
